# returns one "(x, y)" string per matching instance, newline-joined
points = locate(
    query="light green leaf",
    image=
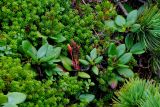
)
(87, 97)
(121, 49)
(83, 75)
(98, 60)
(67, 63)
(42, 51)
(132, 17)
(95, 70)
(125, 58)
(110, 24)
(16, 97)
(120, 20)
(122, 66)
(59, 38)
(93, 54)
(126, 72)
(84, 62)
(112, 50)
(89, 58)
(137, 48)
(9, 105)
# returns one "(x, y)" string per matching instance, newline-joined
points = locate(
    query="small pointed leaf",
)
(83, 75)
(95, 70)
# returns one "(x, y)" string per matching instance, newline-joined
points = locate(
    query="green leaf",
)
(132, 17)
(83, 75)
(3, 99)
(120, 20)
(9, 105)
(29, 49)
(16, 97)
(84, 62)
(122, 66)
(67, 63)
(89, 58)
(121, 49)
(112, 50)
(98, 60)
(129, 41)
(110, 24)
(93, 54)
(95, 70)
(135, 28)
(137, 48)
(125, 58)
(126, 72)
(42, 51)
(59, 38)
(52, 53)
(87, 97)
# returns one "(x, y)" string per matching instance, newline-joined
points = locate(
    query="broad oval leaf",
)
(9, 105)
(120, 20)
(87, 97)
(132, 17)
(112, 50)
(121, 49)
(83, 75)
(93, 54)
(137, 48)
(67, 63)
(126, 72)
(84, 62)
(42, 51)
(129, 41)
(16, 97)
(98, 60)
(29, 49)
(95, 70)
(125, 58)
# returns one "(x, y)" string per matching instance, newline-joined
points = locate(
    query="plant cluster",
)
(78, 53)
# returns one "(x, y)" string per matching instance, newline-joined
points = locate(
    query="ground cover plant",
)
(79, 53)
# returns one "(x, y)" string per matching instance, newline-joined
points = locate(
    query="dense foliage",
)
(79, 53)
